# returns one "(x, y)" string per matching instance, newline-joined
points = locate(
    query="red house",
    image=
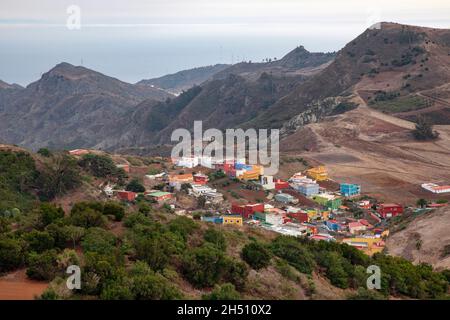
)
(389, 210)
(300, 217)
(200, 178)
(126, 195)
(246, 211)
(280, 184)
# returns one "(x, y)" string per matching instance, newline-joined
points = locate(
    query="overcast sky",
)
(136, 39)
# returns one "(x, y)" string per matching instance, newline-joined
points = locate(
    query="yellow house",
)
(325, 215)
(312, 215)
(232, 220)
(318, 173)
(252, 174)
(370, 246)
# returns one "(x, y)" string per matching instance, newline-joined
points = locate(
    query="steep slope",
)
(71, 107)
(220, 104)
(184, 80)
(399, 58)
(424, 240)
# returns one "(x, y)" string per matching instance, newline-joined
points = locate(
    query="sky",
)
(140, 39)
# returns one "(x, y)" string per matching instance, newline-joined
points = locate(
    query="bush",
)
(223, 292)
(135, 186)
(114, 209)
(44, 152)
(256, 255)
(42, 266)
(11, 254)
(216, 238)
(39, 241)
(424, 130)
(203, 266)
(99, 240)
(291, 250)
(50, 213)
(87, 215)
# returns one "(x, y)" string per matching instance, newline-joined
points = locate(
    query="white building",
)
(435, 188)
(267, 182)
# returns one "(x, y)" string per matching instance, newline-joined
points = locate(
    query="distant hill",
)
(396, 58)
(397, 69)
(183, 80)
(70, 107)
(298, 61)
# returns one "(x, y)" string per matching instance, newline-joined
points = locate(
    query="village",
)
(308, 204)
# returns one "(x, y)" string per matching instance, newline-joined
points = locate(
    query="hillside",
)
(71, 107)
(424, 240)
(297, 62)
(396, 58)
(143, 250)
(185, 79)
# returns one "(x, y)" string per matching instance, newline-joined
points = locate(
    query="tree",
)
(226, 291)
(39, 241)
(75, 234)
(291, 250)
(11, 254)
(100, 166)
(42, 266)
(424, 130)
(114, 209)
(58, 177)
(256, 255)
(135, 186)
(422, 203)
(87, 215)
(50, 213)
(203, 266)
(44, 152)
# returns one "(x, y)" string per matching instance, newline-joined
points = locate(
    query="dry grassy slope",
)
(432, 230)
(377, 151)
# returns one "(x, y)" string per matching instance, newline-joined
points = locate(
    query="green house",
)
(329, 201)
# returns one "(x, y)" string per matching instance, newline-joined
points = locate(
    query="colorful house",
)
(248, 173)
(307, 188)
(369, 245)
(350, 190)
(200, 178)
(281, 184)
(267, 182)
(330, 201)
(355, 227)
(177, 180)
(299, 216)
(318, 173)
(160, 196)
(389, 210)
(232, 220)
(333, 225)
(285, 198)
(126, 195)
(248, 210)
(215, 220)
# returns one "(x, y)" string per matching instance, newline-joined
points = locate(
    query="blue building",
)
(216, 220)
(307, 189)
(333, 225)
(349, 189)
